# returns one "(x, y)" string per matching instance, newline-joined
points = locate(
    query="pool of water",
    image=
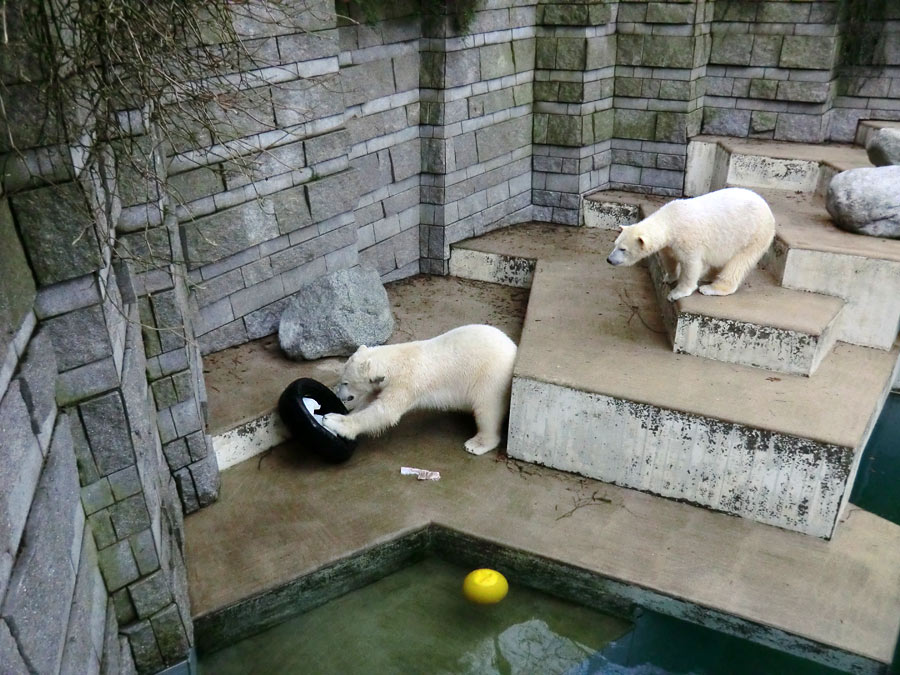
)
(416, 621)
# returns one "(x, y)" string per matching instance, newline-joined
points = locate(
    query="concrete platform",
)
(308, 532)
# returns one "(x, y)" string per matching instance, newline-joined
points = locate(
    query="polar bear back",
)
(454, 370)
(719, 223)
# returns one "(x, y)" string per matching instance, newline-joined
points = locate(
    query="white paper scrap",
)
(312, 405)
(421, 474)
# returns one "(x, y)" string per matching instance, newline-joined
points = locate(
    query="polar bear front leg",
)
(691, 269)
(671, 266)
(490, 422)
(383, 413)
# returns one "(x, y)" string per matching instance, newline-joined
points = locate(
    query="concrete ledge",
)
(493, 267)
(762, 325)
(794, 483)
(249, 439)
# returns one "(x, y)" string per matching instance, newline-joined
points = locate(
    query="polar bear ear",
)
(377, 379)
(641, 242)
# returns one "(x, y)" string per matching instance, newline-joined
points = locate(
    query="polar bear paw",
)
(712, 289)
(678, 293)
(480, 444)
(340, 425)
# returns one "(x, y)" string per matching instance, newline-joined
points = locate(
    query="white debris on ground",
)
(421, 474)
(312, 405)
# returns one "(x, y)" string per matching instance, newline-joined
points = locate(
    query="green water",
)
(416, 621)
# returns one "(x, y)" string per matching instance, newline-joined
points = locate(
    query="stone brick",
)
(635, 124)
(144, 649)
(17, 292)
(39, 596)
(106, 425)
(37, 374)
(170, 634)
(799, 128)
(327, 146)
(79, 337)
(783, 12)
(125, 483)
(761, 122)
(808, 51)
(86, 381)
(461, 67)
(58, 231)
(230, 231)
(187, 417)
(87, 620)
(808, 92)
(151, 594)
(501, 138)
(669, 12)
(291, 210)
(264, 321)
(333, 195)
(206, 479)
(732, 49)
(129, 516)
(186, 490)
(144, 550)
(117, 565)
(176, 453)
(668, 51)
(726, 121)
(195, 184)
(230, 334)
(571, 53)
(497, 61)
(305, 46)
(366, 82)
(766, 89)
(199, 445)
(405, 160)
(235, 114)
(96, 496)
(766, 50)
(19, 473)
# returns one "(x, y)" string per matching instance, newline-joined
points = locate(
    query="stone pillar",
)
(660, 65)
(476, 95)
(573, 105)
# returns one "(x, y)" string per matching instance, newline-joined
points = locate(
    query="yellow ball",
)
(485, 587)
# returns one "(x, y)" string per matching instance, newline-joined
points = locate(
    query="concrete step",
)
(715, 162)
(762, 325)
(598, 391)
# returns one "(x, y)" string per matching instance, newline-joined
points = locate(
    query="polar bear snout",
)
(347, 397)
(617, 257)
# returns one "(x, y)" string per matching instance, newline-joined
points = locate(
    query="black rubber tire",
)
(304, 427)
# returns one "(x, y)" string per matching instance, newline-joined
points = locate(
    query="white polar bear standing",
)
(727, 230)
(468, 368)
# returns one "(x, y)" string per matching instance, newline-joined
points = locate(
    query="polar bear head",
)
(361, 380)
(631, 246)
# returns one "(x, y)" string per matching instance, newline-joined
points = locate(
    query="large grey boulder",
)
(335, 314)
(866, 201)
(884, 147)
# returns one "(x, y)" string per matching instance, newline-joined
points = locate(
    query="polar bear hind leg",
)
(489, 419)
(736, 269)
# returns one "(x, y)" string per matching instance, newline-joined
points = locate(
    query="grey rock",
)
(335, 314)
(39, 596)
(884, 147)
(866, 201)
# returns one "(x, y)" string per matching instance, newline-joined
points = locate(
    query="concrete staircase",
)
(757, 404)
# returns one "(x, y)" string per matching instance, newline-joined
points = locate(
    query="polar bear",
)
(727, 230)
(468, 368)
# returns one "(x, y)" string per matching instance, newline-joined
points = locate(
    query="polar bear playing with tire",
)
(727, 230)
(468, 368)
